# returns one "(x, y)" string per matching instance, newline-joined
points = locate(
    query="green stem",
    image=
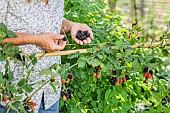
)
(8, 110)
(39, 88)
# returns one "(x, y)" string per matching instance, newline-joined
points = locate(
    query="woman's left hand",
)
(78, 26)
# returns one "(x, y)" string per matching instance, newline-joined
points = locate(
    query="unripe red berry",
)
(98, 75)
(34, 104)
(120, 81)
(64, 98)
(63, 81)
(94, 74)
(124, 79)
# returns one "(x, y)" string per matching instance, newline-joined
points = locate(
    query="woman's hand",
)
(50, 42)
(76, 27)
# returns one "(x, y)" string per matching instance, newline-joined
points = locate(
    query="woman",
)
(38, 23)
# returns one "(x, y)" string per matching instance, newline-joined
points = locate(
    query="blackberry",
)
(127, 77)
(69, 91)
(150, 72)
(145, 70)
(88, 35)
(70, 76)
(62, 93)
(52, 80)
(18, 56)
(83, 38)
(82, 35)
(85, 32)
(78, 35)
(142, 90)
(113, 80)
(79, 31)
(26, 108)
(114, 72)
(65, 38)
(23, 58)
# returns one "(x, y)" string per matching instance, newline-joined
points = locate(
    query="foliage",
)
(109, 51)
(93, 94)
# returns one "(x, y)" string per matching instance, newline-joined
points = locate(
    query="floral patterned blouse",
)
(34, 18)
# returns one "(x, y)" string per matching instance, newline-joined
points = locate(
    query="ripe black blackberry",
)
(70, 76)
(62, 93)
(82, 35)
(18, 56)
(69, 91)
(150, 72)
(145, 70)
(113, 80)
(114, 72)
(65, 38)
(127, 77)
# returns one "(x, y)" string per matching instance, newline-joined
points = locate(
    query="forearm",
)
(21, 39)
(67, 24)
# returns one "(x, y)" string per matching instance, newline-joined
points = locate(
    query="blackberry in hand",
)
(82, 35)
(65, 38)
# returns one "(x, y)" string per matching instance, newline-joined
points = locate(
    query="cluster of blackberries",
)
(67, 94)
(29, 105)
(69, 77)
(97, 72)
(118, 81)
(147, 75)
(82, 35)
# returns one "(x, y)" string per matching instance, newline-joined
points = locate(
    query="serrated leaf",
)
(107, 94)
(95, 62)
(81, 63)
(45, 72)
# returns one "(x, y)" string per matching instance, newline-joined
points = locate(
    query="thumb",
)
(55, 37)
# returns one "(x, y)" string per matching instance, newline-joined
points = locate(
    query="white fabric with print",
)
(34, 18)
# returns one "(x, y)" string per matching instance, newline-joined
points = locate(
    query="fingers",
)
(91, 34)
(60, 46)
(56, 36)
(77, 40)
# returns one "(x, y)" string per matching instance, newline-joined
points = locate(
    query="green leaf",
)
(10, 34)
(107, 109)
(3, 27)
(21, 82)
(81, 63)
(95, 62)
(45, 72)
(2, 35)
(18, 98)
(28, 88)
(135, 64)
(34, 61)
(107, 94)
(119, 43)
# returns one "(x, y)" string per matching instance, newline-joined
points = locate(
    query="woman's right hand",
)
(49, 42)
